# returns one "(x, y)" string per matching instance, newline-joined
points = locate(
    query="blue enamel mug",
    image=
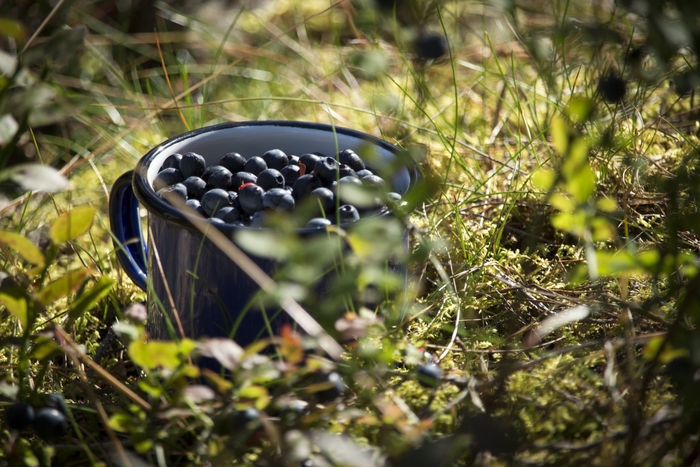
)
(182, 271)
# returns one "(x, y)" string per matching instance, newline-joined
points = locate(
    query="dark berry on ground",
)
(215, 199)
(305, 185)
(241, 178)
(50, 424)
(290, 413)
(178, 189)
(217, 221)
(278, 199)
(233, 161)
(430, 46)
(196, 205)
(56, 401)
(221, 213)
(290, 174)
(270, 178)
(309, 160)
(325, 199)
(196, 187)
(333, 387)
(19, 415)
(612, 88)
(348, 213)
(351, 159)
(293, 160)
(167, 177)
(429, 375)
(363, 173)
(276, 159)
(326, 169)
(374, 182)
(221, 178)
(251, 198)
(192, 164)
(255, 165)
(208, 171)
(344, 170)
(318, 223)
(172, 162)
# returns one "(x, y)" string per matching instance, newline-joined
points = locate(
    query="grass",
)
(515, 234)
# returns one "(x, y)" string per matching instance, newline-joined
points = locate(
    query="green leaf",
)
(44, 347)
(576, 158)
(63, 286)
(543, 179)
(579, 109)
(265, 243)
(150, 355)
(582, 184)
(616, 263)
(120, 422)
(12, 28)
(23, 246)
(15, 300)
(89, 297)
(72, 224)
(559, 132)
(8, 64)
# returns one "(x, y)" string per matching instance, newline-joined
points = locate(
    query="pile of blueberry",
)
(49, 421)
(241, 192)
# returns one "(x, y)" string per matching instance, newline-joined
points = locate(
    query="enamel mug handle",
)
(125, 221)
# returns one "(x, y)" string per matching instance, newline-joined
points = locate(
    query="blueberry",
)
(208, 171)
(343, 192)
(348, 213)
(220, 178)
(344, 170)
(19, 415)
(167, 177)
(374, 182)
(393, 196)
(196, 187)
(430, 46)
(259, 219)
(255, 165)
(318, 223)
(233, 161)
(612, 88)
(196, 205)
(241, 179)
(351, 159)
(331, 387)
(429, 375)
(309, 160)
(326, 169)
(57, 402)
(278, 199)
(251, 198)
(221, 213)
(172, 162)
(305, 185)
(293, 160)
(216, 220)
(363, 173)
(192, 164)
(275, 159)
(50, 424)
(291, 412)
(178, 189)
(290, 174)
(270, 178)
(231, 215)
(215, 199)
(325, 199)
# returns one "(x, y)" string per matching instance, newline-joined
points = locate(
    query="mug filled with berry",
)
(241, 177)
